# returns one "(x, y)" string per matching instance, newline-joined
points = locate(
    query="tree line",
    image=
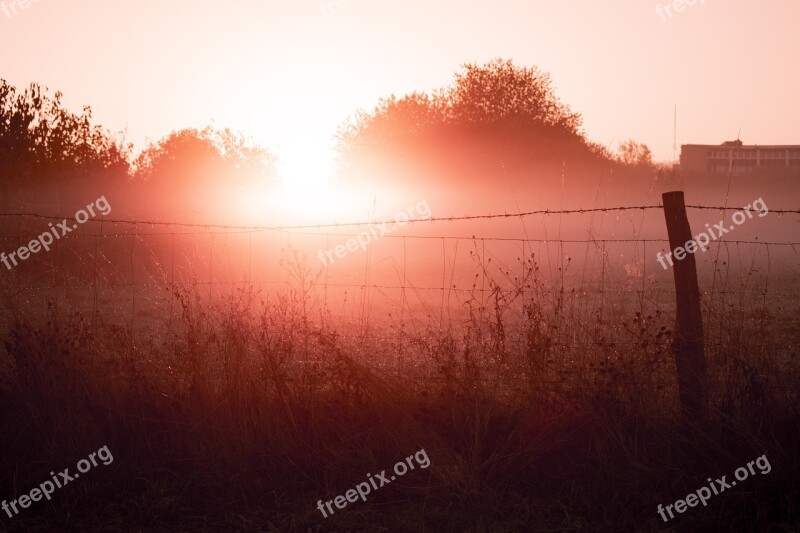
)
(500, 113)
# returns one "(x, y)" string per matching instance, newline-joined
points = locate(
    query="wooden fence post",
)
(687, 346)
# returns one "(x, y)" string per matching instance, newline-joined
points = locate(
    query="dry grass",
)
(241, 415)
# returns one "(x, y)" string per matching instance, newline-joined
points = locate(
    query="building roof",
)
(738, 144)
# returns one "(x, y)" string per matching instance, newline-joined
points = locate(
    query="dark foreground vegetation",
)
(239, 416)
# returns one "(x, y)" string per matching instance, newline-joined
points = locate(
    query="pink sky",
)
(287, 73)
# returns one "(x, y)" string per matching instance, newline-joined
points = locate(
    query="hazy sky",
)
(287, 72)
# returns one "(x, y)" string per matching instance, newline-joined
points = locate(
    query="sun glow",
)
(303, 167)
(306, 165)
(305, 193)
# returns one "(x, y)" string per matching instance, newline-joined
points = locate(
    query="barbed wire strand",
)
(381, 223)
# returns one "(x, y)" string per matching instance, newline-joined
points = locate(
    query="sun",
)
(305, 190)
(304, 166)
(305, 193)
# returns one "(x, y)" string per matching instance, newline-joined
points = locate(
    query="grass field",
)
(540, 410)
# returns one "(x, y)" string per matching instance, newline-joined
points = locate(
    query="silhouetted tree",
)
(210, 156)
(201, 171)
(493, 117)
(500, 92)
(42, 142)
(635, 154)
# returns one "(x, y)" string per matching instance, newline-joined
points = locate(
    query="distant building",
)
(733, 157)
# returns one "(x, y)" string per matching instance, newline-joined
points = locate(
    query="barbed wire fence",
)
(138, 232)
(122, 271)
(133, 229)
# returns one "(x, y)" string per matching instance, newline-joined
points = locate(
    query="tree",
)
(493, 118)
(393, 120)
(498, 93)
(41, 141)
(502, 92)
(635, 154)
(201, 171)
(210, 156)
